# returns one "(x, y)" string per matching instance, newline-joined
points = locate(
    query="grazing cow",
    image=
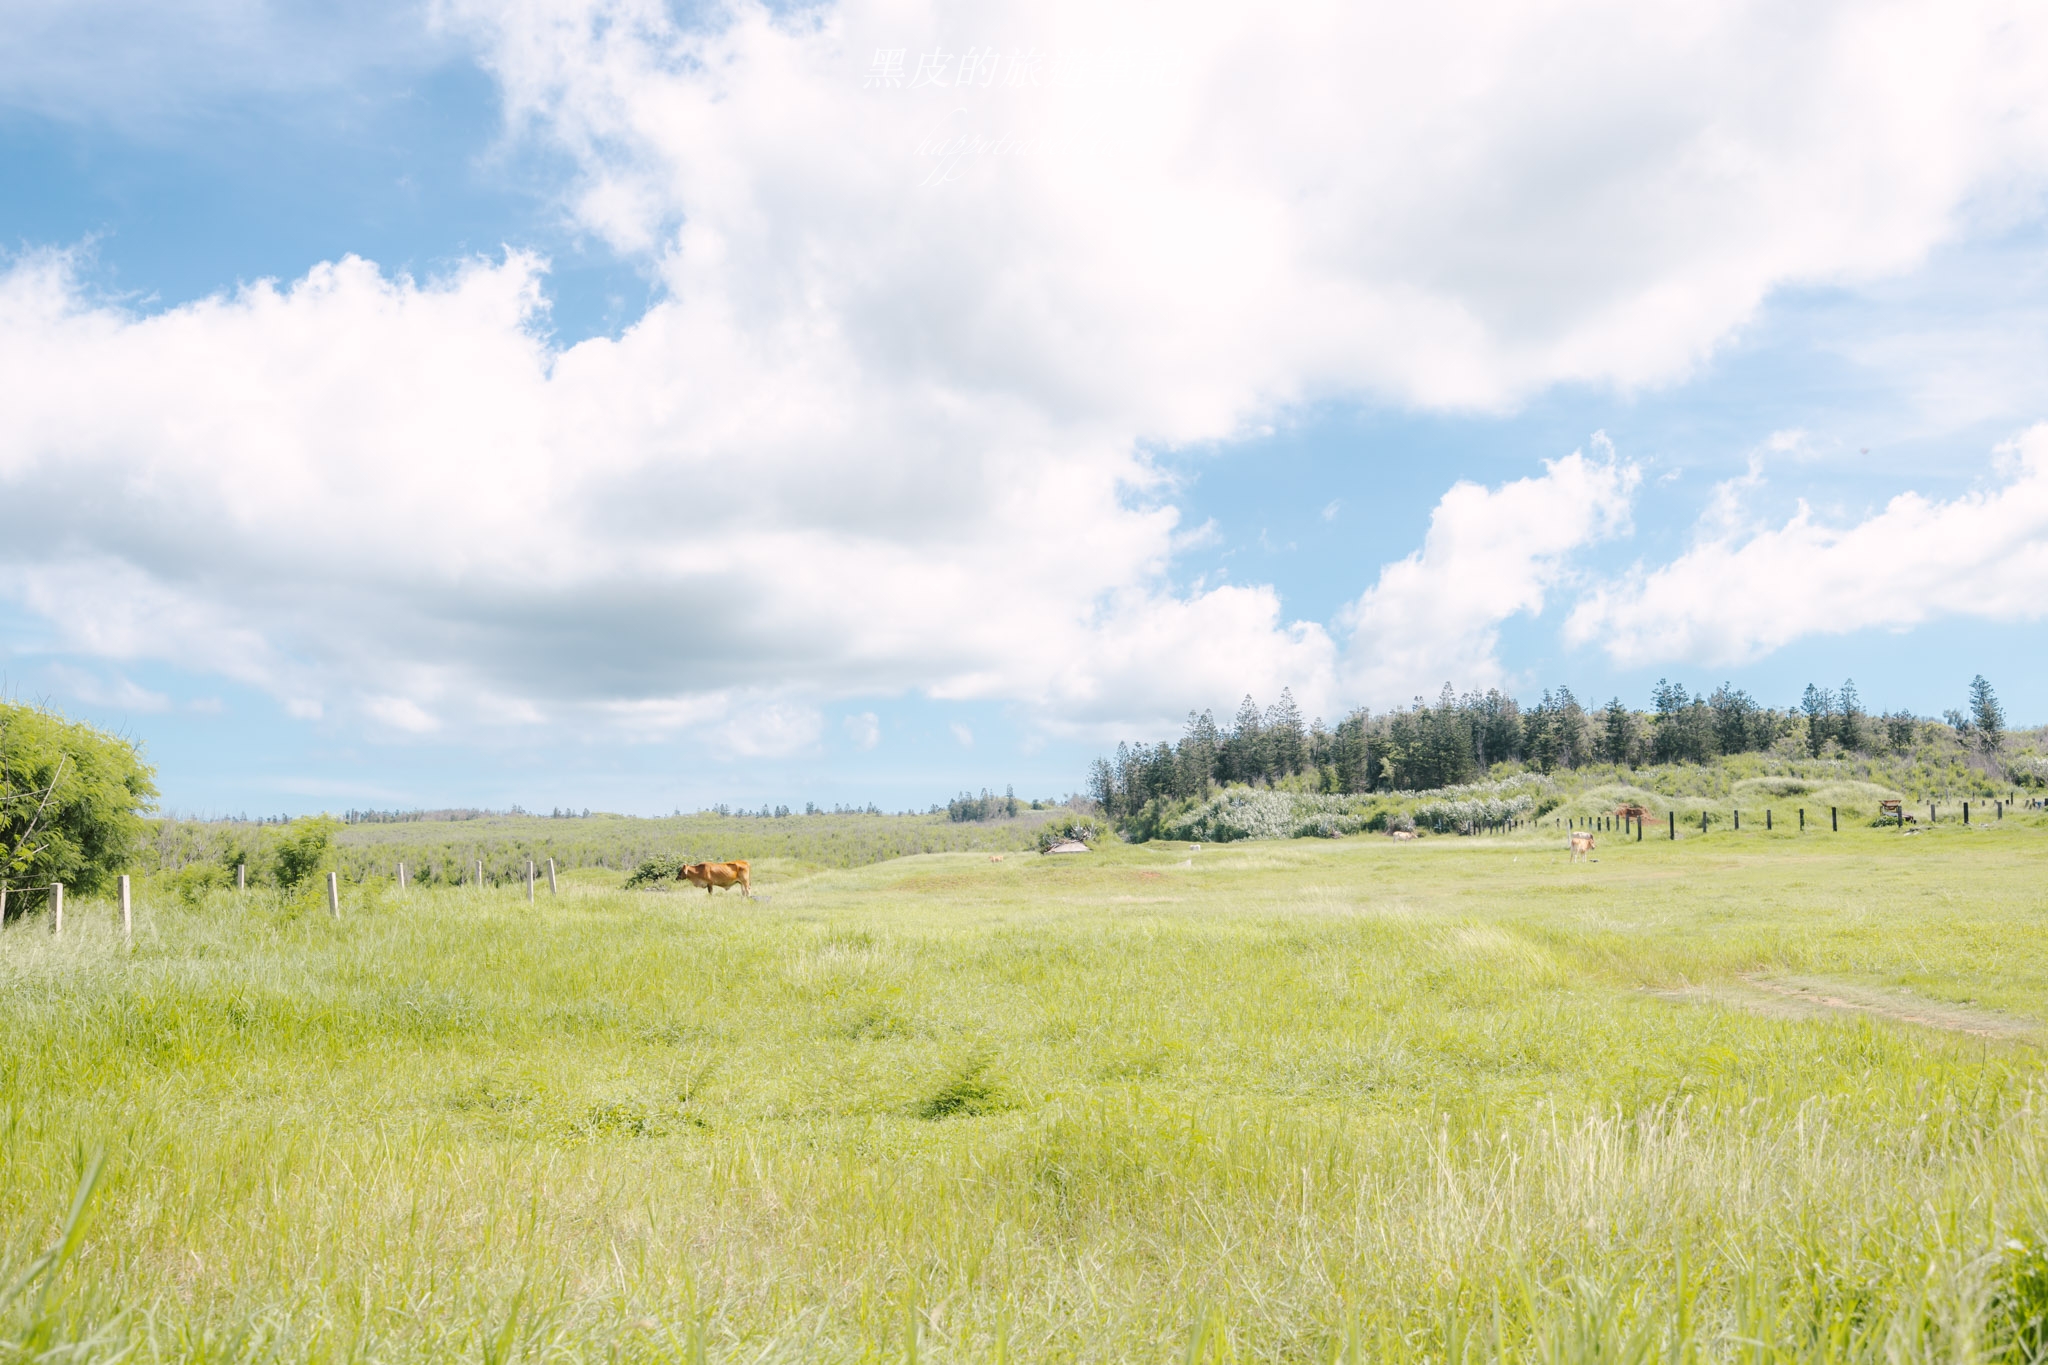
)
(708, 875)
(1402, 834)
(1582, 843)
(995, 857)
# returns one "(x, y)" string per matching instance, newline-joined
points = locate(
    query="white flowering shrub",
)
(1246, 813)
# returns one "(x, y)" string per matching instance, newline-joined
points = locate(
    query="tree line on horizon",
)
(1459, 738)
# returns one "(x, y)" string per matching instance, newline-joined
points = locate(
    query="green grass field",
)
(1742, 1097)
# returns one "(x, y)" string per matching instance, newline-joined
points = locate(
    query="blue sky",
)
(654, 407)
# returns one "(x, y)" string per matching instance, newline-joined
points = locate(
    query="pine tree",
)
(1246, 747)
(1849, 716)
(1987, 717)
(1819, 705)
(1286, 738)
(1617, 740)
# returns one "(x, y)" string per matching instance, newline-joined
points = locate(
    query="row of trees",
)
(967, 806)
(1458, 738)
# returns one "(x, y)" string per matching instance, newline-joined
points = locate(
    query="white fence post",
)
(401, 876)
(479, 874)
(241, 876)
(553, 890)
(127, 912)
(529, 880)
(334, 895)
(57, 908)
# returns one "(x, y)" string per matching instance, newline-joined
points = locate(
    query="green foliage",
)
(654, 871)
(969, 1092)
(1987, 717)
(302, 850)
(71, 800)
(987, 806)
(1457, 741)
(1081, 828)
(193, 884)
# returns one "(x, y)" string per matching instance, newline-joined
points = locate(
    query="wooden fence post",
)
(1966, 812)
(1802, 817)
(552, 891)
(1703, 822)
(57, 908)
(3, 905)
(1767, 819)
(1930, 812)
(1835, 818)
(1738, 819)
(334, 895)
(479, 874)
(529, 881)
(1673, 815)
(127, 911)
(401, 876)
(241, 876)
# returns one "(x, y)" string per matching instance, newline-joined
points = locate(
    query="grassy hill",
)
(445, 851)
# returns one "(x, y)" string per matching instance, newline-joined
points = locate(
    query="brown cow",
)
(1582, 844)
(708, 875)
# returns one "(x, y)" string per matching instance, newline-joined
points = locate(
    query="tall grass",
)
(447, 851)
(1297, 1101)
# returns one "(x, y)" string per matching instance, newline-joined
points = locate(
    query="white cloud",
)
(402, 713)
(1474, 201)
(121, 693)
(865, 730)
(774, 730)
(788, 482)
(1491, 553)
(1739, 594)
(962, 735)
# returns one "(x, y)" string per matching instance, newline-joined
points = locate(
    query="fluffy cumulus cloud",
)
(1490, 554)
(884, 429)
(1738, 594)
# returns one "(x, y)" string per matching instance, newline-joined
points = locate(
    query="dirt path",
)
(1808, 997)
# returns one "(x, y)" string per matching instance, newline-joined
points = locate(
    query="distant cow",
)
(1402, 834)
(1582, 844)
(708, 875)
(995, 857)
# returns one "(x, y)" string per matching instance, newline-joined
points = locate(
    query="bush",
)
(1083, 829)
(662, 867)
(302, 849)
(193, 884)
(71, 800)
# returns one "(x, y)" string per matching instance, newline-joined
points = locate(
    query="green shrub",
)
(302, 849)
(653, 871)
(71, 800)
(1085, 829)
(191, 885)
(968, 1093)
